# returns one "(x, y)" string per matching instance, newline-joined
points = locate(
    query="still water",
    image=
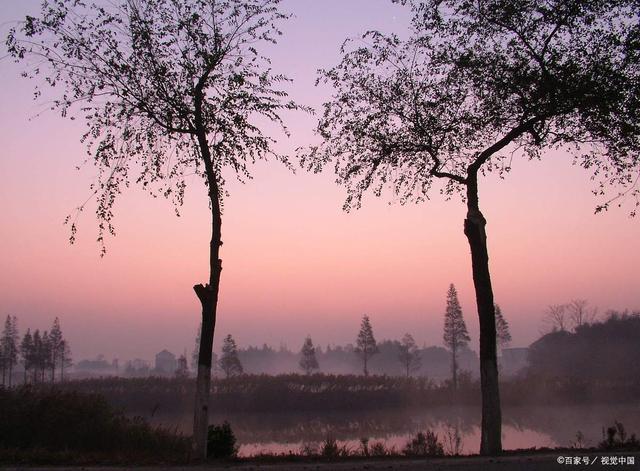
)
(523, 427)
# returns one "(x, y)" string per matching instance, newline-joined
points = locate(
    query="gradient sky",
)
(294, 263)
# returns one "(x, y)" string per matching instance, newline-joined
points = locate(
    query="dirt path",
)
(529, 462)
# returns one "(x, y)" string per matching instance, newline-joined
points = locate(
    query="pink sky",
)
(294, 263)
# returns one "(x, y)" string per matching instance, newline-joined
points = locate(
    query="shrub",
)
(379, 449)
(53, 423)
(221, 441)
(329, 448)
(424, 444)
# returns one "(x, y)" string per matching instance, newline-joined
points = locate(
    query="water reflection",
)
(523, 427)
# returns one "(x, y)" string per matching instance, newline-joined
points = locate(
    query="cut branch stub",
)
(205, 293)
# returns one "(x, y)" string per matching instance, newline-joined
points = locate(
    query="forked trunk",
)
(474, 229)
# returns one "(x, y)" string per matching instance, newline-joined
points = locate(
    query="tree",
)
(26, 353)
(168, 89)
(580, 313)
(366, 345)
(36, 354)
(229, 361)
(55, 345)
(9, 349)
(474, 85)
(44, 355)
(308, 360)
(65, 358)
(196, 350)
(409, 355)
(455, 331)
(555, 317)
(183, 367)
(503, 335)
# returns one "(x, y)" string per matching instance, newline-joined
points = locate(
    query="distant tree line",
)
(598, 352)
(387, 357)
(43, 356)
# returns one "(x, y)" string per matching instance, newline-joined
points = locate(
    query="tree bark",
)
(474, 229)
(207, 294)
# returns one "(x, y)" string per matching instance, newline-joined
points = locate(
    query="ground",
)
(520, 462)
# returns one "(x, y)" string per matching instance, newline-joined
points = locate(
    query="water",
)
(523, 427)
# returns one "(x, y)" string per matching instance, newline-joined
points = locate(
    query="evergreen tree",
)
(45, 355)
(409, 355)
(55, 347)
(65, 358)
(26, 353)
(229, 362)
(455, 331)
(503, 335)
(9, 348)
(366, 345)
(36, 354)
(308, 360)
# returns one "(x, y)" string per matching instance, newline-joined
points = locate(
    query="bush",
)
(53, 423)
(329, 448)
(424, 445)
(221, 441)
(379, 449)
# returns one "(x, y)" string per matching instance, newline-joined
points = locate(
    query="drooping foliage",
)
(146, 76)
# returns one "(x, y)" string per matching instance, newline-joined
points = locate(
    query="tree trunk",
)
(208, 296)
(474, 229)
(454, 369)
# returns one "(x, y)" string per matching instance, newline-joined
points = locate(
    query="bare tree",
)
(409, 356)
(580, 313)
(476, 85)
(168, 88)
(366, 345)
(555, 317)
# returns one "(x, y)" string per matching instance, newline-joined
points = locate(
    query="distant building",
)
(513, 360)
(166, 363)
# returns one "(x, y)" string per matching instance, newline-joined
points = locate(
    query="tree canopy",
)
(477, 81)
(151, 78)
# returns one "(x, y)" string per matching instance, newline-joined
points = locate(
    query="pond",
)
(523, 427)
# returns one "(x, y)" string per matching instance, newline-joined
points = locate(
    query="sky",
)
(294, 264)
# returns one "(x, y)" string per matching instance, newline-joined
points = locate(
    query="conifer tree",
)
(9, 348)
(26, 353)
(229, 361)
(65, 358)
(55, 347)
(455, 331)
(308, 360)
(503, 335)
(366, 345)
